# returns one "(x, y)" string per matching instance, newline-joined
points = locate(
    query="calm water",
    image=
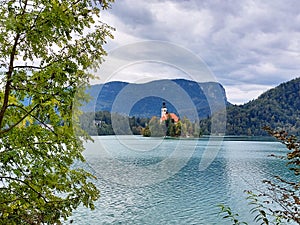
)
(156, 181)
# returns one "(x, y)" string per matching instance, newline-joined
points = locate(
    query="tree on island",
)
(46, 49)
(168, 127)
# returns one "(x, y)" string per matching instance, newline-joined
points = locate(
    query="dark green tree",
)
(146, 132)
(46, 48)
(157, 128)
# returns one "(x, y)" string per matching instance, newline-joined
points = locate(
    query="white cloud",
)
(265, 68)
(242, 93)
(142, 72)
(256, 43)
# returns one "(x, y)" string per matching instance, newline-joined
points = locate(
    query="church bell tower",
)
(164, 111)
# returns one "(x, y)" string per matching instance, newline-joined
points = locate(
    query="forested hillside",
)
(100, 123)
(277, 108)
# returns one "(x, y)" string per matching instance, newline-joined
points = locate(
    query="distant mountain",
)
(278, 108)
(183, 97)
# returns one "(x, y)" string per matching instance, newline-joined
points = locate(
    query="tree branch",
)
(29, 67)
(24, 182)
(27, 114)
(10, 72)
(20, 120)
(9, 79)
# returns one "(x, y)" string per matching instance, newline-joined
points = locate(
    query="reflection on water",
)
(188, 196)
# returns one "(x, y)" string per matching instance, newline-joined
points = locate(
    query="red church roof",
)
(172, 115)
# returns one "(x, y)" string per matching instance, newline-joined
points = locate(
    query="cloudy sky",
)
(249, 46)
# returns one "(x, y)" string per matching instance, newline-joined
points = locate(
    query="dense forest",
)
(278, 108)
(183, 128)
(106, 123)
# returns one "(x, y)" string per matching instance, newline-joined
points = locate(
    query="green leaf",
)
(38, 142)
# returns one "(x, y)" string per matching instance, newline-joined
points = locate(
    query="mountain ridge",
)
(278, 107)
(187, 98)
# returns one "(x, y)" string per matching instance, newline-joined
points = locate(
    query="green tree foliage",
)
(46, 48)
(146, 132)
(184, 128)
(227, 213)
(173, 129)
(100, 123)
(157, 129)
(280, 204)
(278, 108)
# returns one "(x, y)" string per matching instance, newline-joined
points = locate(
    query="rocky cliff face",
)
(183, 97)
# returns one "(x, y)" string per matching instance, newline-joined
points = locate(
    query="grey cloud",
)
(132, 14)
(239, 40)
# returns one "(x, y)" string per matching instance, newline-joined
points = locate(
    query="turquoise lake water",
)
(170, 181)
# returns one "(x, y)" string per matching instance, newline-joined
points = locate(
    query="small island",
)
(169, 125)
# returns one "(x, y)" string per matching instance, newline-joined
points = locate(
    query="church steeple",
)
(164, 111)
(165, 115)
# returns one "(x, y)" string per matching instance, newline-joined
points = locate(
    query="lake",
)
(176, 181)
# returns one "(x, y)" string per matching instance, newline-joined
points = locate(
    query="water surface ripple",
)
(188, 197)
